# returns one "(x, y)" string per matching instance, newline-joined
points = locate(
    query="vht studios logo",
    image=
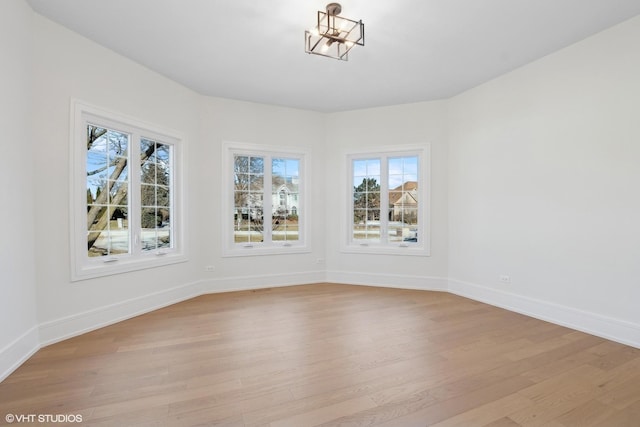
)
(43, 418)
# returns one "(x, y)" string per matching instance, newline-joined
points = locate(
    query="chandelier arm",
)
(316, 44)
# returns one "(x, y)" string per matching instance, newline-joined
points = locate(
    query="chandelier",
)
(334, 36)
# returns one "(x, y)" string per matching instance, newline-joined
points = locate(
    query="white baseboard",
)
(399, 281)
(17, 352)
(244, 283)
(592, 323)
(76, 324)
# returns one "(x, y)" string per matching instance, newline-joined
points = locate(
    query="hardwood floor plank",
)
(424, 408)
(625, 418)
(326, 414)
(556, 396)
(503, 422)
(623, 395)
(588, 414)
(488, 413)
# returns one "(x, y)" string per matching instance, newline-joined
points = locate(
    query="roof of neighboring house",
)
(407, 186)
(290, 184)
(396, 194)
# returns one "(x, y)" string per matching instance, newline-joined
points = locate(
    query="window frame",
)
(420, 248)
(268, 247)
(85, 267)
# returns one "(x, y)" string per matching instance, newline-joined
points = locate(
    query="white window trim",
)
(85, 267)
(423, 246)
(229, 247)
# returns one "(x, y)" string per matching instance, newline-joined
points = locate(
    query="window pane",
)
(364, 229)
(157, 234)
(266, 208)
(113, 238)
(241, 164)
(163, 155)
(403, 199)
(256, 182)
(248, 199)
(162, 196)
(366, 199)
(373, 200)
(256, 165)
(107, 191)
(155, 195)
(118, 231)
(164, 238)
(248, 217)
(118, 193)
(285, 176)
(385, 201)
(246, 230)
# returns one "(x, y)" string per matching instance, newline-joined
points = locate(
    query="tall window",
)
(388, 209)
(127, 173)
(266, 188)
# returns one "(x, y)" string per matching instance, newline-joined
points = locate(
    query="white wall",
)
(18, 325)
(236, 121)
(545, 186)
(68, 66)
(371, 129)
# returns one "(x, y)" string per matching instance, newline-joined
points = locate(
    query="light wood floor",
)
(331, 355)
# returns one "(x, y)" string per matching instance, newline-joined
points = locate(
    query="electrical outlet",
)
(503, 278)
(320, 261)
(210, 268)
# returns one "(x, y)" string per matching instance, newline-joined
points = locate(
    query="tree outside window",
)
(125, 175)
(267, 215)
(387, 206)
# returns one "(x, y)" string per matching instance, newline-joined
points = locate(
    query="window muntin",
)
(123, 217)
(387, 207)
(266, 186)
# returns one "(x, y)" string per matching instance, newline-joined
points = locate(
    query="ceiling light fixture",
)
(334, 36)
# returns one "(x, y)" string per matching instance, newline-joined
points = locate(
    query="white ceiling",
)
(416, 50)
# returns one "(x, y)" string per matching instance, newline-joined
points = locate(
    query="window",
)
(264, 213)
(125, 215)
(388, 207)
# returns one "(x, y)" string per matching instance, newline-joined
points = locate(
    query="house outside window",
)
(389, 201)
(265, 187)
